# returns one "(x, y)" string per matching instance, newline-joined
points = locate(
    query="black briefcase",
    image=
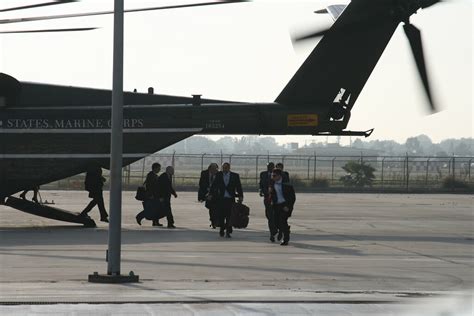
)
(141, 193)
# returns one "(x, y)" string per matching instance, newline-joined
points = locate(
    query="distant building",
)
(292, 146)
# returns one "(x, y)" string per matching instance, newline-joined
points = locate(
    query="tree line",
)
(420, 145)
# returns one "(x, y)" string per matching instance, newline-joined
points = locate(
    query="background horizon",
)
(343, 140)
(420, 145)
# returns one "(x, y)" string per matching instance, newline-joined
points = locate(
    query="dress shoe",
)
(157, 224)
(221, 233)
(171, 226)
(284, 243)
(105, 220)
(272, 238)
(280, 235)
(139, 221)
(228, 235)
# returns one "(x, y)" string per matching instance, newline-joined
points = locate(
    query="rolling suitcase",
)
(239, 216)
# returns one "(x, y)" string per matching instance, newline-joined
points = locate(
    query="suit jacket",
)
(151, 185)
(94, 183)
(205, 189)
(234, 187)
(204, 185)
(265, 180)
(288, 194)
(165, 187)
(285, 176)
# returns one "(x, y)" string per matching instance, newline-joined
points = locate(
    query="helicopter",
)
(51, 132)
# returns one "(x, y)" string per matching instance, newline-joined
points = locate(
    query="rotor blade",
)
(75, 15)
(414, 37)
(50, 30)
(44, 4)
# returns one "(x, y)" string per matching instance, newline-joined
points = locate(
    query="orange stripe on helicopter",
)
(302, 120)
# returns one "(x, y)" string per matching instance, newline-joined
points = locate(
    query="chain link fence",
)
(391, 172)
(312, 173)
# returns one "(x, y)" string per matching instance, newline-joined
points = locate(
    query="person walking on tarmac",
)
(94, 184)
(165, 190)
(283, 200)
(265, 180)
(151, 187)
(225, 188)
(204, 194)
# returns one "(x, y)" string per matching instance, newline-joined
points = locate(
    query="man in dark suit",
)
(225, 188)
(283, 200)
(151, 186)
(285, 175)
(205, 182)
(165, 190)
(94, 183)
(265, 179)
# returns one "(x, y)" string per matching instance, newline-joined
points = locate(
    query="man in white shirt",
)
(283, 200)
(225, 188)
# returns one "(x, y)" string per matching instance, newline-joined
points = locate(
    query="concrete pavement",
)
(345, 248)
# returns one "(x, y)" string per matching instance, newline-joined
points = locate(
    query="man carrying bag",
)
(152, 209)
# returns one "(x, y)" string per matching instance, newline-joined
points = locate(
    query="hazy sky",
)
(243, 52)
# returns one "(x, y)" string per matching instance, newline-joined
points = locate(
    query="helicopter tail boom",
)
(338, 68)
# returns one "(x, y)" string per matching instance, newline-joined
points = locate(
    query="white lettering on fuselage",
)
(214, 124)
(68, 123)
(27, 123)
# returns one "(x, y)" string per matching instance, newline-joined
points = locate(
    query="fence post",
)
(454, 174)
(314, 170)
(404, 173)
(427, 170)
(283, 159)
(454, 168)
(143, 168)
(309, 160)
(469, 170)
(332, 171)
(408, 174)
(222, 158)
(449, 167)
(230, 159)
(256, 171)
(383, 161)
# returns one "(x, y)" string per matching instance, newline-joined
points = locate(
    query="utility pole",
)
(116, 148)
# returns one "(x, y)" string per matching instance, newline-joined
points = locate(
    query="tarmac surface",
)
(349, 254)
